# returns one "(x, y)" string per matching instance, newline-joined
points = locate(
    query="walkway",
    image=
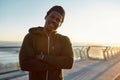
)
(94, 70)
(90, 70)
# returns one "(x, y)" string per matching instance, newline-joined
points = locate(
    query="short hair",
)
(58, 9)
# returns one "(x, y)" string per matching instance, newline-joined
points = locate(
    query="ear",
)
(60, 24)
(45, 17)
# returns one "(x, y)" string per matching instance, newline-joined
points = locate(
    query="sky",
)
(85, 20)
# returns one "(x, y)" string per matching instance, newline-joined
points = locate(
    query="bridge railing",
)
(96, 52)
(9, 61)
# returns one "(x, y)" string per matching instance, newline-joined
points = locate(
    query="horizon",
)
(8, 43)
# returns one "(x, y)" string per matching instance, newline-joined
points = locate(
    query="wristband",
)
(41, 57)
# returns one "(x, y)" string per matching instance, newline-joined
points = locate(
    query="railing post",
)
(80, 53)
(105, 58)
(88, 52)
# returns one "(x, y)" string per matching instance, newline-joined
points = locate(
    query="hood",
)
(38, 30)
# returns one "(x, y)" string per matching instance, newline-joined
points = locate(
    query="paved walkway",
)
(94, 70)
(91, 70)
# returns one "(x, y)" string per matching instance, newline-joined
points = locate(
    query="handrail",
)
(9, 46)
(8, 72)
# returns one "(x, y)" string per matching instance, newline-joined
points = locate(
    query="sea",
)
(9, 57)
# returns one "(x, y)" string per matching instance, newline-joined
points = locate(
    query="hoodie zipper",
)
(48, 54)
(48, 44)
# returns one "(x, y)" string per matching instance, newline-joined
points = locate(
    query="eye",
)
(52, 16)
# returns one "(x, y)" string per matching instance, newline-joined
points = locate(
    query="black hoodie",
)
(56, 48)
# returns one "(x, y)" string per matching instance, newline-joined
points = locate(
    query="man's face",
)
(53, 21)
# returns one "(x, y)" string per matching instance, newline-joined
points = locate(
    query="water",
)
(8, 61)
(8, 57)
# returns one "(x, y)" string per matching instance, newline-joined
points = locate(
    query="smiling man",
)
(44, 52)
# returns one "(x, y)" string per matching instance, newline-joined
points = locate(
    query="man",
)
(44, 52)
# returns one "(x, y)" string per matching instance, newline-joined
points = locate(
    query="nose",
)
(54, 21)
(55, 24)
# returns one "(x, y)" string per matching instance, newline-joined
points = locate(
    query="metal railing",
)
(81, 53)
(107, 52)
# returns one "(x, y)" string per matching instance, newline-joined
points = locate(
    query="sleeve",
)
(27, 59)
(65, 61)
